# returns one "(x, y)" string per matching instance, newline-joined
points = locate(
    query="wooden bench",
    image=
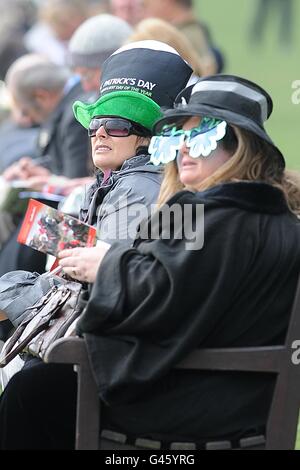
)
(283, 417)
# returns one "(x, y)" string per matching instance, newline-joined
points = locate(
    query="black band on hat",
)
(233, 99)
(239, 92)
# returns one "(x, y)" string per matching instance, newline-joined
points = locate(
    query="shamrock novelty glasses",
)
(201, 140)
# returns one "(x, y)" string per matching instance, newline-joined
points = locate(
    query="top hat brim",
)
(230, 117)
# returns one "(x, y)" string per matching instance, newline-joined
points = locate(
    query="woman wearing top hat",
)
(226, 282)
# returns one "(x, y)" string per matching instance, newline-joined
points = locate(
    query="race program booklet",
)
(49, 230)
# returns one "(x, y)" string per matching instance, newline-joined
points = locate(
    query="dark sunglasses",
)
(116, 127)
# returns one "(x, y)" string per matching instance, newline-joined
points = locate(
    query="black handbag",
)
(48, 319)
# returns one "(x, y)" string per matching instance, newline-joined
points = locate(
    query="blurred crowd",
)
(46, 27)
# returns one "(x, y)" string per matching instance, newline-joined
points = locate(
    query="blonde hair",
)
(160, 30)
(253, 160)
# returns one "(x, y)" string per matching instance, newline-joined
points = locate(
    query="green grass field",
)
(269, 64)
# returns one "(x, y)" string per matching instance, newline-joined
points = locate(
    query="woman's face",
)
(192, 171)
(89, 78)
(109, 153)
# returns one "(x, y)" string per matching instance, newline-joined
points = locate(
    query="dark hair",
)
(229, 141)
(142, 131)
(11, 48)
(185, 3)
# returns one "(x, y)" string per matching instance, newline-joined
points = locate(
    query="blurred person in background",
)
(58, 19)
(17, 15)
(129, 10)
(92, 43)
(11, 48)
(180, 14)
(44, 93)
(18, 134)
(160, 30)
(265, 8)
(18, 137)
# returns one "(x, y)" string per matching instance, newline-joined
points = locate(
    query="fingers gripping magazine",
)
(50, 231)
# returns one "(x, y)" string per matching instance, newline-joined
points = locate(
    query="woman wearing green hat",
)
(137, 80)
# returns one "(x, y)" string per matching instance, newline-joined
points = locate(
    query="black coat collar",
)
(249, 195)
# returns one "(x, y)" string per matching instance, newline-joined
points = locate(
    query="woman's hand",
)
(23, 169)
(37, 183)
(82, 264)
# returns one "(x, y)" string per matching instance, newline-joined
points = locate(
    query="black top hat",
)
(233, 99)
(136, 81)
